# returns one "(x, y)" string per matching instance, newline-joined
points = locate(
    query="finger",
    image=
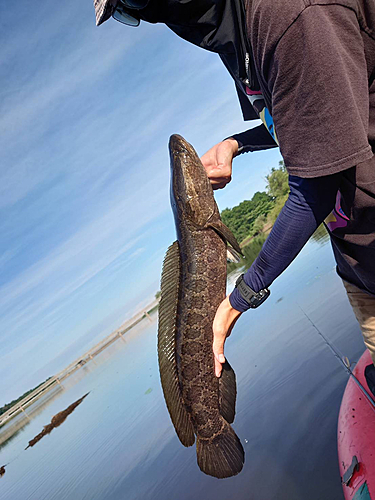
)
(218, 349)
(218, 368)
(219, 171)
(221, 184)
(218, 180)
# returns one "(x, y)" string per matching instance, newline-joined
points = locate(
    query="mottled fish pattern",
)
(193, 284)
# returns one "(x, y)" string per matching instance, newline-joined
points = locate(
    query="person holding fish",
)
(306, 68)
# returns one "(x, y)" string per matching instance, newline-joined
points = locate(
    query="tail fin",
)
(221, 456)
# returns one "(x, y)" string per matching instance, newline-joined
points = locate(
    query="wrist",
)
(227, 308)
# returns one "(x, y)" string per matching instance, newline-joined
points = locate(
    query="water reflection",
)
(17, 424)
(320, 235)
(289, 391)
(14, 434)
(56, 420)
(252, 249)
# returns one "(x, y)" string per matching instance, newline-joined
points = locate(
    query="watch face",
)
(260, 297)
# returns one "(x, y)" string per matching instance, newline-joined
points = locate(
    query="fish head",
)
(191, 192)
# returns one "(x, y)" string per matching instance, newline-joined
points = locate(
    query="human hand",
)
(218, 162)
(225, 318)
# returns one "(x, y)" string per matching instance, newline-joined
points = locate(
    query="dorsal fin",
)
(170, 283)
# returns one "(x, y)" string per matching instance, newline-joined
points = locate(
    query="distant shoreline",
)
(28, 398)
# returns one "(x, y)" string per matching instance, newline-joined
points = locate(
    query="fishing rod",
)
(343, 360)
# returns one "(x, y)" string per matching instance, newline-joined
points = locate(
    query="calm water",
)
(120, 444)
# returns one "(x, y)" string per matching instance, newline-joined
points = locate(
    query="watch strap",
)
(254, 299)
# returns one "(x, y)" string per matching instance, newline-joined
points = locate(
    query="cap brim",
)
(103, 11)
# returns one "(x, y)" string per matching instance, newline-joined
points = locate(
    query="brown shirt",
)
(314, 61)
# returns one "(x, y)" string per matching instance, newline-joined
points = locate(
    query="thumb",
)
(218, 349)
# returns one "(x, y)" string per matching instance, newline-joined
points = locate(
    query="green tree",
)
(259, 224)
(277, 182)
(278, 188)
(241, 218)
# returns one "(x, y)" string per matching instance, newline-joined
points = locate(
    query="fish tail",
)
(222, 455)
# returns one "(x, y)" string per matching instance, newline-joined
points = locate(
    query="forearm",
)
(308, 204)
(254, 139)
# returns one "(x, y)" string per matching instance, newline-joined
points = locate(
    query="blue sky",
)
(85, 117)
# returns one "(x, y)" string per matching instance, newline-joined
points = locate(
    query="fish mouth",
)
(188, 174)
(178, 145)
(191, 191)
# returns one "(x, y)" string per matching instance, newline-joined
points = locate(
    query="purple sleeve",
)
(308, 204)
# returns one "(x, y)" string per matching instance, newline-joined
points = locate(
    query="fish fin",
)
(226, 234)
(170, 282)
(221, 456)
(227, 393)
(232, 255)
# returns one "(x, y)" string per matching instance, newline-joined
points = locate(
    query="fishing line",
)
(13, 459)
(343, 360)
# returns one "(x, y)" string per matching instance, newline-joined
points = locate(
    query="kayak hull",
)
(356, 437)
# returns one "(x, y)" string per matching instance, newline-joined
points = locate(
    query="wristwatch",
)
(254, 299)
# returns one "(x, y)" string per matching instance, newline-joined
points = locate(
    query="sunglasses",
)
(121, 12)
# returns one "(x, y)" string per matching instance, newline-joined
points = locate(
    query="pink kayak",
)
(356, 436)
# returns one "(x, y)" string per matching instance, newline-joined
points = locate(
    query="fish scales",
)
(193, 285)
(203, 272)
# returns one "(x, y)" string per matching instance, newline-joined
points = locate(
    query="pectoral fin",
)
(226, 234)
(170, 282)
(227, 393)
(232, 255)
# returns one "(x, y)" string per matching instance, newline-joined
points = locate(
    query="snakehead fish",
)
(193, 284)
